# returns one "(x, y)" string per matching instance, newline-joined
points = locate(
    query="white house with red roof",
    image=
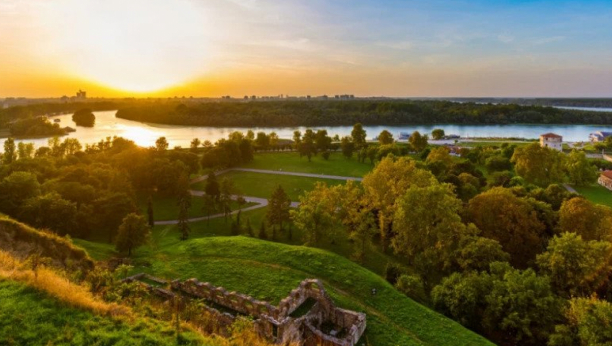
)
(551, 140)
(605, 179)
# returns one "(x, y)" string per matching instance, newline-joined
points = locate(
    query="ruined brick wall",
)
(235, 301)
(275, 322)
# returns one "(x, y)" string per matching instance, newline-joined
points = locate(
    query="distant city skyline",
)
(438, 48)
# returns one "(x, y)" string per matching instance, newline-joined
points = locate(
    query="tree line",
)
(367, 112)
(513, 256)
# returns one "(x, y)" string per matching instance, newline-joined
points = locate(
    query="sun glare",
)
(138, 46)
(142, 137)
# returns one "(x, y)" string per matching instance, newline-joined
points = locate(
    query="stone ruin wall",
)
(268, 317)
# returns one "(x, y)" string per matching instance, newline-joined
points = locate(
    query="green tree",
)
(498, 163)
(150, 217)
(518, 303)
(208, 206)
(279, 205)
(576, 267)
(583, 217)
(15, 189)
(109, 211)
(132, 233)
(84, 117)
(10, 153)
(308, 147)
(418, 141)
(212, 186)
(297, 140)
(273, 137)
(347, 147)
(314, 216)
(579, 170)
(50, 211)
(437, 134)
(386, 183)
(462, 296)
(358, 134)
(440, 154)
(161, 144)
(25, 150)
(588, 323)
(427, 226)
(322, 141)
(541, 166)
(194, 145)
(477, 253)
(262, 140)
(263, 233)
(184, 204)
(510, 220)
(385, 137)
(227, 190)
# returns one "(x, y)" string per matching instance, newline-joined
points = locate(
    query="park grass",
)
(97, 251)
(166, 207)
(596, 194)
(168, 235)
(32, 317)
(269, 271)
(473, 144)
(262, 184)
(291, 162)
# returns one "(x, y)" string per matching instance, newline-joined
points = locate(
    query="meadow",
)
(596, 194)
(292, 162)
(262, 184)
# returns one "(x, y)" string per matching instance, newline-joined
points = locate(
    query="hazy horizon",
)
(400, 49)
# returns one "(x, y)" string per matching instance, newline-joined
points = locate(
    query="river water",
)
(145, 134)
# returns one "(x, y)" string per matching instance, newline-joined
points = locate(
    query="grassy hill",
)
(32, 317)
(22, 240)
(269, 271)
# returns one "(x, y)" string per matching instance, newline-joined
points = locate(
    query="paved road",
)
(267, 171)
(570, 189)
(262, 202)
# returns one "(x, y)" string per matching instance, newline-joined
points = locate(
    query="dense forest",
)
(12, 114)
(559, 102)
(367, 112)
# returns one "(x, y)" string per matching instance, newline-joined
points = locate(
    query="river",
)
(145, 134)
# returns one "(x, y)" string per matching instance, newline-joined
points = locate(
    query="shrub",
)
(412, 286)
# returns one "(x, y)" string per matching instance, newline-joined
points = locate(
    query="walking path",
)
(267, 171)
(570, 189)
(261, 202)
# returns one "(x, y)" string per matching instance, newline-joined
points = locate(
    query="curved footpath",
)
(261, 202)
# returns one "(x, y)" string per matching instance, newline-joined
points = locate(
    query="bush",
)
(393, 271)
(412, 286)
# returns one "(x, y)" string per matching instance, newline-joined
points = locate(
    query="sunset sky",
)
(265, 47)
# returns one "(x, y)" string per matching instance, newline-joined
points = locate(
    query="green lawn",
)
(31, 317)
(269, 271)
(166, 208)
(596, 194)
(491, 143)
(291, 162)
(262, 185)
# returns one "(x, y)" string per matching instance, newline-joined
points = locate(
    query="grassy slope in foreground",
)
(31, 317)
(269, 271)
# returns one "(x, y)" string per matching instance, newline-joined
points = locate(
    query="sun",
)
(137, 45)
